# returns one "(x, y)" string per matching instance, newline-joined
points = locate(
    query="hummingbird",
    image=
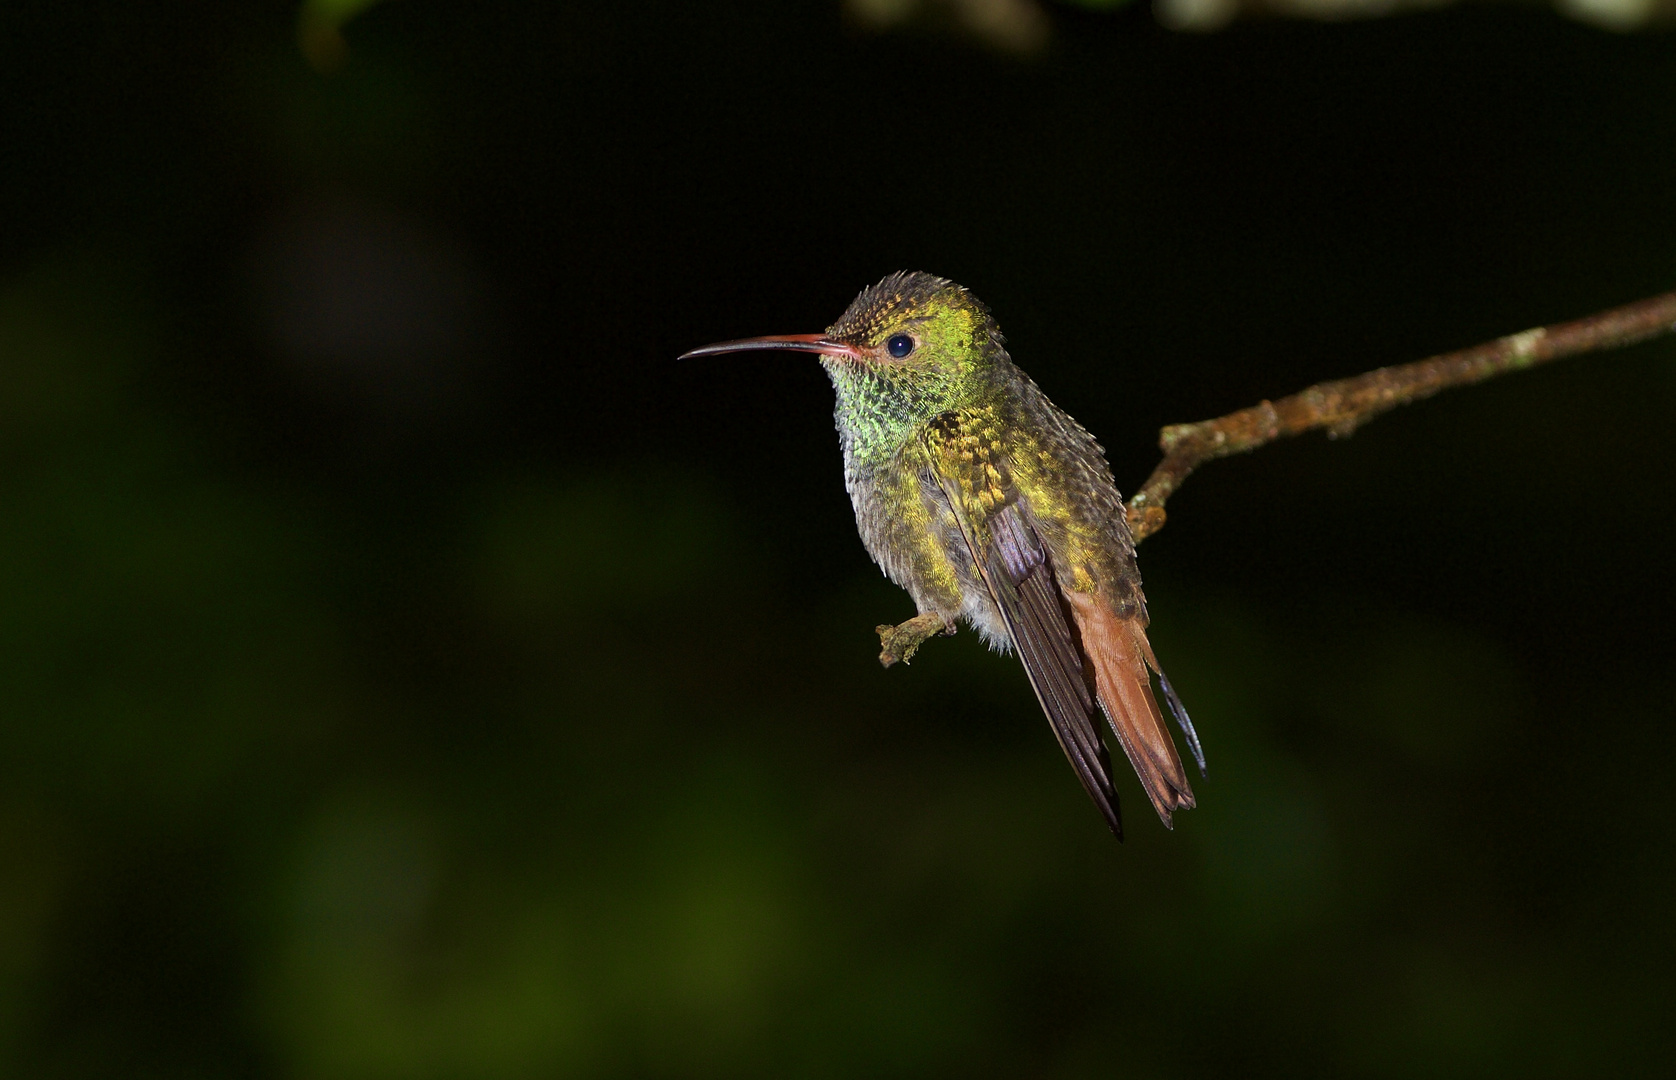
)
(989, 504)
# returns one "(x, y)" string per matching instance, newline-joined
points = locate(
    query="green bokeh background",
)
(407, 669)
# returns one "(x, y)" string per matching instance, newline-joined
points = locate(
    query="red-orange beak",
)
(811, 343)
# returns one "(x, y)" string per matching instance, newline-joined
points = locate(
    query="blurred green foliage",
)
(347, 739)
(627, 824)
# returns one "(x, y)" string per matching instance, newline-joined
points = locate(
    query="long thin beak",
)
(812, 343)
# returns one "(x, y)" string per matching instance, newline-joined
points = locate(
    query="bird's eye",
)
(899, 345)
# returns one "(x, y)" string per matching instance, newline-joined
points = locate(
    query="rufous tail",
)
(1118, 651)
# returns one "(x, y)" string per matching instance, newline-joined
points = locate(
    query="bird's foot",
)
(901, 642)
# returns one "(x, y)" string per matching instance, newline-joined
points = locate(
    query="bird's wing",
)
(1016, 569)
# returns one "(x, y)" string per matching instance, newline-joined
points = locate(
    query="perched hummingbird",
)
(986, 502)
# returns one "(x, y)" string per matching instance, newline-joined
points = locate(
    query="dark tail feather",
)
(1177, 709)
(1183, 721)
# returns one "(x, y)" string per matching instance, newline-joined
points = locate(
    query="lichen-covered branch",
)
(1343, 405)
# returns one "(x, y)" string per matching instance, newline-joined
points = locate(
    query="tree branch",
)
(1343, 405)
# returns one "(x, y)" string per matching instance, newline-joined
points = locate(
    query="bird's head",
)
(907, 349)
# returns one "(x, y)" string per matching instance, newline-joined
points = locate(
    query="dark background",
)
(409, 669)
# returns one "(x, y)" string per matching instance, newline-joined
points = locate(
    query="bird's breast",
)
(909, 527)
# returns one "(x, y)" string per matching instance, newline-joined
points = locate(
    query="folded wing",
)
(1020, 579)
(1075, 648)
